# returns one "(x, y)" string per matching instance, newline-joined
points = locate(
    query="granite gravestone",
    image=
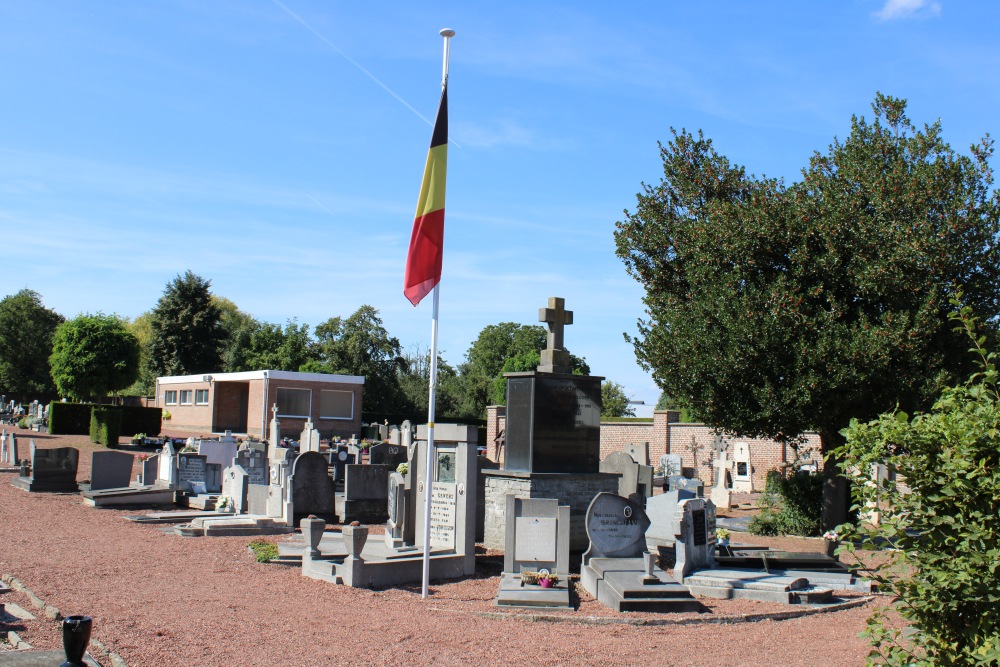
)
(694, 536)
(635, 482)
(309, 438)
(397, 508)
(695, 486)
(192, 473)
(616, 528)
(312, 488)
(386, 454)
(52, 470)
(661, 510)
(638, 452)
(365, 489)
(213, 478)
(167, 473)
(672, 465)
(218, 452)
(538, 535)
(254, 462)
(110, 470)
(148, 470)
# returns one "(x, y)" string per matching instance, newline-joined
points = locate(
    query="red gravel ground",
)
(159, 599)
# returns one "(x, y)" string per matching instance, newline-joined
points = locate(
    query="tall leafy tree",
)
(614, 401)
(187, 332)
(238, 327)
(93, 356)
(360, 345)
(485, 358)
(268, 346)
(145, 383)
(775, 309)
(415, 384)
(26, 330)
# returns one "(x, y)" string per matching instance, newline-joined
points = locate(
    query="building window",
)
(336, 404)
(201, 396)
(170, 397)
(186, 395)
(293, 402)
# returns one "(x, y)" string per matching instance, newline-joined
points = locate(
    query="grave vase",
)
(354, 539)
(76, 638)
(312, 529)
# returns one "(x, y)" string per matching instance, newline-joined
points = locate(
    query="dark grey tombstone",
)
(52, 470)
(365, 493)
(661, 510)
(553, 423)
(616, 528)
(340, 459)
(12, 450)
(192, 472)
(110, 470)
(386, 454)
(312, 488)
(148, 470)
(396, 508)
(213, 477)
(694, 539)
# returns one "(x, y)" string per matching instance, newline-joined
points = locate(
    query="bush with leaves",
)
(943, 569)
(792, 506)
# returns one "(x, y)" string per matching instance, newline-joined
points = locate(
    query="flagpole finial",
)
(447, 32)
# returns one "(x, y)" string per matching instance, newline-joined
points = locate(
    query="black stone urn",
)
(76, 638)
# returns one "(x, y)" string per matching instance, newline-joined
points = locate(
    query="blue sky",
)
(276, 148)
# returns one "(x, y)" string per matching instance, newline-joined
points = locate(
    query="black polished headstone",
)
(386, 454)
(52, 470)
(553, 423)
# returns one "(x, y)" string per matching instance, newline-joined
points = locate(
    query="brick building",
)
(666, 435)
(243, 402)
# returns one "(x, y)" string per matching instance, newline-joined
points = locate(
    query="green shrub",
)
(69, 418)
(263, 550)
(105, 426)
(792, 506)
(944, 529)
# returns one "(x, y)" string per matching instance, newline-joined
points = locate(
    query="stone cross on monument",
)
(555, 359)
(694, 448)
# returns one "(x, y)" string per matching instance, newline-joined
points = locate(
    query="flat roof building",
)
(244, 402)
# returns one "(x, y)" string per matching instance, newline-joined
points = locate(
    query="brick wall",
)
(666, 435)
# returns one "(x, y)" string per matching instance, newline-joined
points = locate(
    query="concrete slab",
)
(131, 495)
(513, 593)
(619, 584)
(39, 659)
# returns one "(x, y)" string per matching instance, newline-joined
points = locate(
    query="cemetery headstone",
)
(110, 470)
(616, 527)
(672, 465)
(397, 510)
(365, 489)
(387, 454)
(254, 462)
(312, 488)
(695, 486)
(638, 452)
(149, 469)
(236, 485)
(742, 469)
(52, 470)
(309, 438)
(694, 536)
(192, 473)
(635, 482)
(537, 535)
(167, 473)
(213, 478)
(218, 452)
(661, 510)
(722, 493)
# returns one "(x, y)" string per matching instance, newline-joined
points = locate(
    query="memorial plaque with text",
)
(444, 499)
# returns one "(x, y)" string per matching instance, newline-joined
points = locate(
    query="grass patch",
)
(264, 551)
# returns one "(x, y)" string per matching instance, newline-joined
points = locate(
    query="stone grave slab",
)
(537, 540)
(110, 470)
(312, 488)
(52, 470)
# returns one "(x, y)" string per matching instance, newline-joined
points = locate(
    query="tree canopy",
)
(93, 356)
(187, 335)
(614, 401)
(26, 330)
(360, 345)
(776, 309)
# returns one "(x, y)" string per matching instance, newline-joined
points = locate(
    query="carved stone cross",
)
(555, 359)
(694, 448)
(274, 411)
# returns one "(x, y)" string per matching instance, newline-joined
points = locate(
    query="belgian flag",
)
(423, 262)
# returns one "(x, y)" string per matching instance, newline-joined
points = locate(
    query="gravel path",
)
(159, 599)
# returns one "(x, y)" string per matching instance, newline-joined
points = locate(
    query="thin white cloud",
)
(906, 9)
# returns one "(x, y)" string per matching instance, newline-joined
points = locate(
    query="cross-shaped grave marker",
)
(554, 358)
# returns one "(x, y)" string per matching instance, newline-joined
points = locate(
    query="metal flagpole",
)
(447, 33)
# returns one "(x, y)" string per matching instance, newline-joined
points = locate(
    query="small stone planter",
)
(354, 539)
(312, 530)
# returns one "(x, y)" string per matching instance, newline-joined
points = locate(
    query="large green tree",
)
(142, 328)
(259, 346)
(187, 334)
(614, 401)
(360, 345)
(415, 385)
(775, 309)
(93, 356)
(485, 359)
(26, 330)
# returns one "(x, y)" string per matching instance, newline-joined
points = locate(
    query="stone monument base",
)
(573, 489)
(44, 486)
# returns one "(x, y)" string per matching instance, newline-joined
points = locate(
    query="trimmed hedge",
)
(141, 420)
(69, 418)
(105, 426)
(76, 418)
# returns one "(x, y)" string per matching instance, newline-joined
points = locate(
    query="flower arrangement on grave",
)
(166, 415)
(723, 535)
(139, 439)
(403, 468)
(142, 457)
(537, 578)
(831, 536)
(224, 504)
